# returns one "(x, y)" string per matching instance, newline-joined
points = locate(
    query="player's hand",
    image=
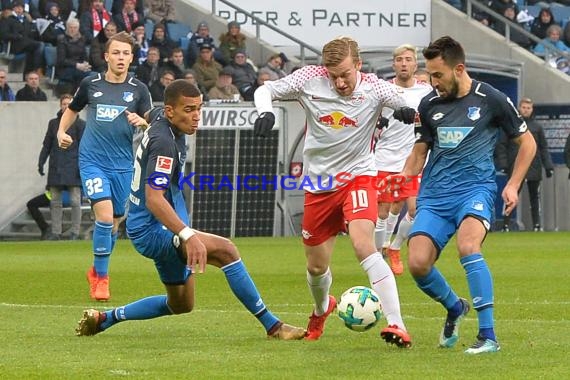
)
(510, 197)
(382, 122)
(263, 124)
(41, 170)
(406, 115)
(64, 140)
(549, 173)
(197, 255)
(136, 120)
(392, 183)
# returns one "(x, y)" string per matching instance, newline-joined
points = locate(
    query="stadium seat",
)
(176, 31)
(561, 14)
(50, 56)
(184, 42)
(533, 10)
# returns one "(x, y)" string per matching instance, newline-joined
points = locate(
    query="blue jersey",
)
(159, 163)
(108, 137)
(462, 134)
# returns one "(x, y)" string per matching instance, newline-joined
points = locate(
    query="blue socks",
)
(146, 308)
(102, 246)
(435, 286)
(244, 289)
(481, 288)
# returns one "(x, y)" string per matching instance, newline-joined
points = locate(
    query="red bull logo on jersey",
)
(108, 113)
(451, 137)
(338, 120)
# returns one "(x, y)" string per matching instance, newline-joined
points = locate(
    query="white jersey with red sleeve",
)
(339, 130)
(396, 142)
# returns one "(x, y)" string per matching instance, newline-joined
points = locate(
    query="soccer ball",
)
(359, 308)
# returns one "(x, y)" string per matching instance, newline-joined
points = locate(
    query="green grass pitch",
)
(43, 292)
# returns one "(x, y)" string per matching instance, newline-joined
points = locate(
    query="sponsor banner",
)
(555, 120)
(233, 117)
(371, 23)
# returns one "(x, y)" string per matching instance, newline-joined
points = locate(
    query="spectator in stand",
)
(506, 153)
(541, 23)
(162, 42)
(190, 76)
(516, 36)
(273, 67)
(97, 51)
(117, 6)
(140, 51)
(56, 25)
(553, 37)
(158, 87)
(94, 20)
(6, 93)
(224, 89)
(63, 172)
(19, 29)
(243, 73)
(206, 68)
(160, 11)
(65, 7)
(176, 63)
(148, 72)
(31, 92)
(127, 16)
(199, 38)
(499, 6)
(262, 76)
(72, 58)
(232, 41)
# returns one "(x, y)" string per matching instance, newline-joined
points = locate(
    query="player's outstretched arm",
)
(195, 250)
(136, 120)
(67, 119)
(527, 151)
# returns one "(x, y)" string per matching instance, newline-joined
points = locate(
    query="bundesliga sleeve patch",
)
(164, 164)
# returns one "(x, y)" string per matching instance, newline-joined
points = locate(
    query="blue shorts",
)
(157, 244)
(439, 224)
(101, 185)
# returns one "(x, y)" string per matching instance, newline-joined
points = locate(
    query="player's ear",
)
(459, 68)
(358, 65)
(168, 111)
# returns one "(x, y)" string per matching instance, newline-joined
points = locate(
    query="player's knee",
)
(362, 248)
(418, 268)
(468, 247)
(225, 253)
(182, 308)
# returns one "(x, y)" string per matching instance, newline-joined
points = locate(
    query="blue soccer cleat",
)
(483, 345)
(450, 332)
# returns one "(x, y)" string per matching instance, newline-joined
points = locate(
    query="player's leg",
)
(97, 187)
(322, 221)
(470, 236)
(380, 228)
(159, 245)
(393, 215)
(56, 211)
(223, 254)
(361, 231)
(430, 233)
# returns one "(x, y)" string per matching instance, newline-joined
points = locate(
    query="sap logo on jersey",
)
(108, 112)
(450, 137)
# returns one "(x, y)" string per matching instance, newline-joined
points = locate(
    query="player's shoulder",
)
(134, 82)
(485, 90)
(432, 97)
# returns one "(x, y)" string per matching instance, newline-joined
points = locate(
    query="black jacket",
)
(27, 94)
(567, 152)
(507, 150)
(63, 163)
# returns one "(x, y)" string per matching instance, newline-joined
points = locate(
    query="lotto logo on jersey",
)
(164, 164)
(450, 137)
(108, 113)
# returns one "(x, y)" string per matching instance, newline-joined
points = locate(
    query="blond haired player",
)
(392, 148)
(342, 105)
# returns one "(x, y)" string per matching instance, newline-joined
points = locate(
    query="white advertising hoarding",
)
(373, 23)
